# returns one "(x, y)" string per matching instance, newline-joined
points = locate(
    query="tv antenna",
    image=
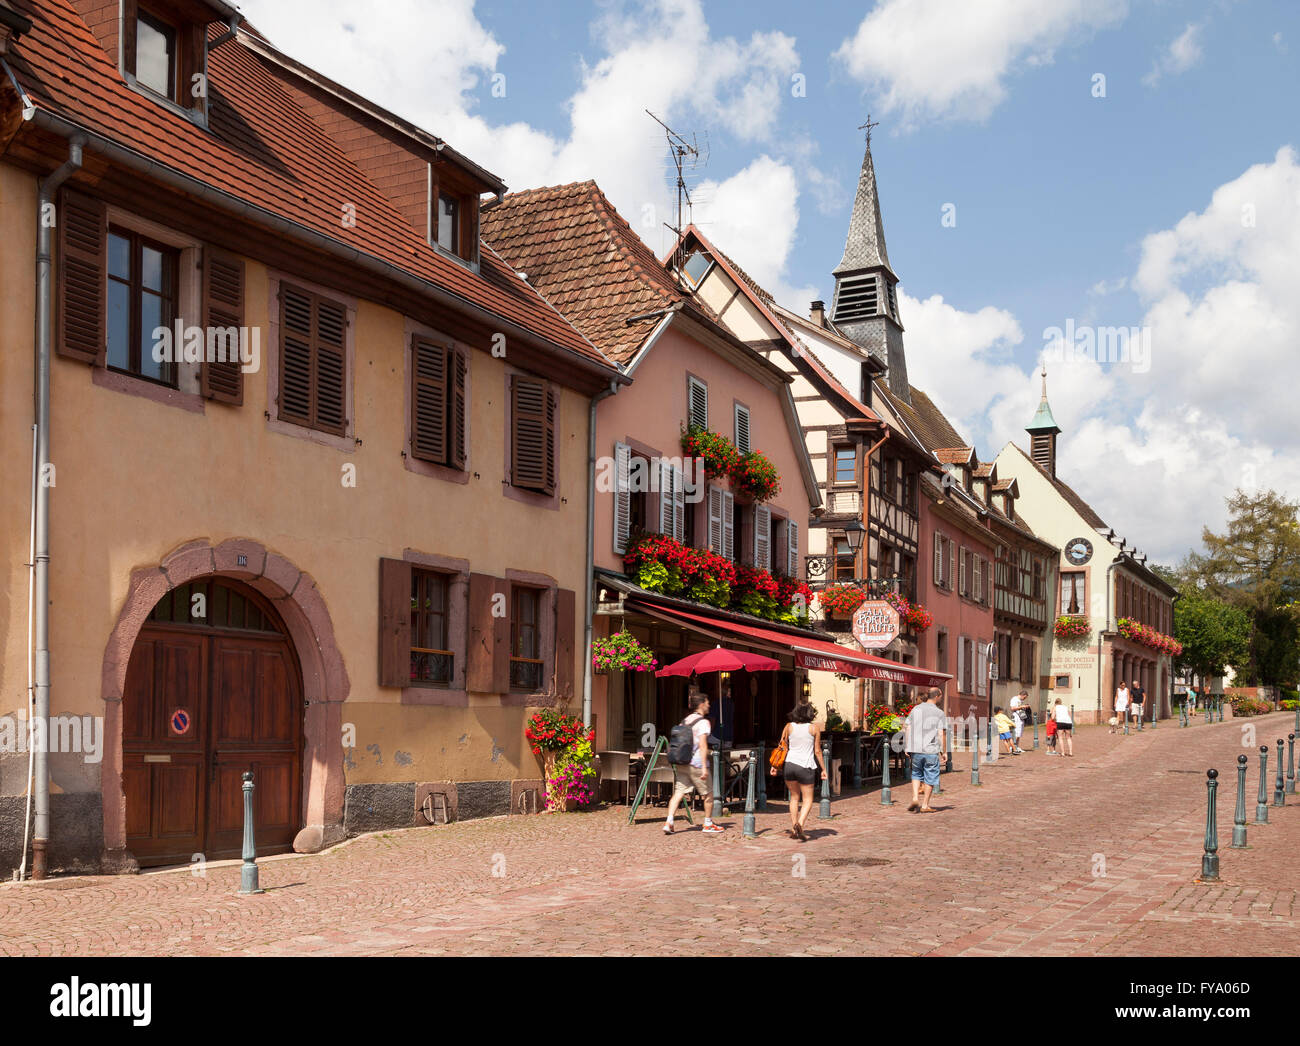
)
(684, 154)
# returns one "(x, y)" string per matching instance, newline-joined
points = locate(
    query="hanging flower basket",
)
(1137, 632)
(1071, 627)
(914, 617)
(756, 477)
(840, 600)
(621, 652)
(719, 453)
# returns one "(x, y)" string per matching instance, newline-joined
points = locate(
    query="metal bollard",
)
(857, 762)
(1290, 764)
(248, 873)
(975, 756)
(1182, 714)
(762, 777)
(717, 785)
(747, 829)
(1239, 814)
(824, 809)
(1034, 717)
(988, 742)
(886, 796)
(1279, 783)
(1297, 719)
(1261, 804)
(1126, 717)
(1210, 860)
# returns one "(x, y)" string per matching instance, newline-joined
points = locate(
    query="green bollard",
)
(1290, 764)
(1261, 804)
(248, 873)
(747, 829)
(988, 734)
(824, 809)
(1154, 717)
(717, 784)
(886, 795)
(1239, 814)
(762, 777)
(1126, 722)
(1297, 719)
(1279, 783)
(1210, 861)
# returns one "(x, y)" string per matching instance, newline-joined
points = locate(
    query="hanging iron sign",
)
(875, 624)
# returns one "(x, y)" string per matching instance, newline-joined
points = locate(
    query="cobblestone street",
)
(1050, 856)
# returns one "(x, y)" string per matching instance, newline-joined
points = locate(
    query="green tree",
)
(1255, 565)
(1214, 634)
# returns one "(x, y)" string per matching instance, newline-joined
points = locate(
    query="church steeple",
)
(1043, 431)
(865, 307)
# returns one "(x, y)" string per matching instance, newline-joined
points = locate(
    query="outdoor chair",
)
(615, 767)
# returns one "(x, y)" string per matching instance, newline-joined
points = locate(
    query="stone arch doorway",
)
(213, 690)
(282, 591)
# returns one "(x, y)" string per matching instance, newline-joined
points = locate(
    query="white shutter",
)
(988, 583)
(729, 525)
(697, 403)
(938, 559)
(982, 666)
(742, 429)
(763, 537)
(977, 568)
(947, 562)
(679, 504)
(792, 548)
(961, 664)
(715, 521)
(665, 498)
(961, 570)
(622, 496)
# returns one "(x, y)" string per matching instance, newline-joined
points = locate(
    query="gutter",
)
(40, 594)
(1113, 564)
(185, 183)
(591, 546)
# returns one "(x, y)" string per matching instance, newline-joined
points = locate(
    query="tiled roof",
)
(984, 470)
(954, 455)
(263, 149)
(587, 261)
(1005, 484)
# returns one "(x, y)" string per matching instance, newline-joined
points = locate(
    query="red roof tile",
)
(262, 148)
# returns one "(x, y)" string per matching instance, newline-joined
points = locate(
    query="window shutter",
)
(961, 664)
(394, 622)
(487, 667)
(666, 510)
(977, 568)
(295, 355)
(457, 436)
(223, 308)
(697, 403)
(622, 496)
(729, 525)
(938, 559)
(792, 549)
(988, 584)
(679, 504)
(529, 454)
(742, 429)
(982, 663)
(716, 541)
(552, 420)
(763, 538)
(331, 333)
(947, 563)
(961, 569)
(566, 622)
(83, 263)
(429, 401)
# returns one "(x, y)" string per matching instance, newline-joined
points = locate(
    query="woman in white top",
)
(1121, 706)
(803, 737)
(1064, 728)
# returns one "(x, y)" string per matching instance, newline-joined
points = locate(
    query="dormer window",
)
(449, 222)
(155, 55)
(696, 268)
(164, 52)
(453, 213)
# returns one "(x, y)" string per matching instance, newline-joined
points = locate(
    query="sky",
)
(1050, 172)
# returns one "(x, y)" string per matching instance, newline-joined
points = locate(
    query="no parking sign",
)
(181, 722)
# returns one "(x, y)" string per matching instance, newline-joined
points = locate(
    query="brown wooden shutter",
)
(223, 308)
(331, 358)
(488, 663)
(458, 420)
(529, 428)
(552, 419)
(83, 262)
(296, 328)
(429, 401)
(394, 622)
(566, 623)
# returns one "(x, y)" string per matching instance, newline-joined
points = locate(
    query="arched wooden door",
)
(212, 690)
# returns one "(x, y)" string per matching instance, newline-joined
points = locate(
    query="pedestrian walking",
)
(1121, 706)
(803, 760)
(1005, 730)
(1064, 728)
(1136, 696)
(1191, 701)
(1019, 714)
(925, 741)
(688, 752)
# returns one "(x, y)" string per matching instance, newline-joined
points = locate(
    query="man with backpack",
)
(688, 752)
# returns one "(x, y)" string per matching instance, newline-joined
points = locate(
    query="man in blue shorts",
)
(924, 740)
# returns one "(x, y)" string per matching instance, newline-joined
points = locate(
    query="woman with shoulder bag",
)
(801, 745)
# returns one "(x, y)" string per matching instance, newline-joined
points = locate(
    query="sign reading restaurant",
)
(875, 625)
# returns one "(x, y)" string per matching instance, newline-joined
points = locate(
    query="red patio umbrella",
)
(719, 659)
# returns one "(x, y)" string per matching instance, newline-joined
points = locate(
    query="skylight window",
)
(697, 267)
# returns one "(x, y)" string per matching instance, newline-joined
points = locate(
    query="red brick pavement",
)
(1012, 867)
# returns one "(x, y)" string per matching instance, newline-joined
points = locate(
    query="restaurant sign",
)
(875, 625)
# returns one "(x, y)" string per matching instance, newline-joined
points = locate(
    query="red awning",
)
(814, 654)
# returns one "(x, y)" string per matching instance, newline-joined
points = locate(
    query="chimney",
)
(817, 313)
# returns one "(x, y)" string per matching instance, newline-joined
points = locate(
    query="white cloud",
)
(1178, 57)
(1156, 453)
(951, 58)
